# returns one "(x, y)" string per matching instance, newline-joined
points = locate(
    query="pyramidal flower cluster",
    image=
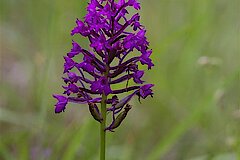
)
(113, 37)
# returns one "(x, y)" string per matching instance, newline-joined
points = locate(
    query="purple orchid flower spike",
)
(112, 38)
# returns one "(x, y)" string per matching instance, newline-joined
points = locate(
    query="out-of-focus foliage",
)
(195, 112)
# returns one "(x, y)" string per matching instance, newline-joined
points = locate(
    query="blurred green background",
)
(195, 112)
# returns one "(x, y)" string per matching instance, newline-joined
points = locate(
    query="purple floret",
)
(146, 91)
(61, 104)
(76, 49)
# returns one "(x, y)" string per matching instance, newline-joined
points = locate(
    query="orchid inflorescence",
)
(113, 37)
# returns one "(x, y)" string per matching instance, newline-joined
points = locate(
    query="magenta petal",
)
(61, 104)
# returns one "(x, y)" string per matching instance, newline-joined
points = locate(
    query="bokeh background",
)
(195, 112)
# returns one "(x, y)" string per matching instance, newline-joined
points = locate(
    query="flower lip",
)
(137, 77)
(69, 64)
(80, 28)
(145, 58)
(145, 91)
(76, 49)
(60, 106)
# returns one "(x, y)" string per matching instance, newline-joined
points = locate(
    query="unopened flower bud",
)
(120, 117)
(95, 112)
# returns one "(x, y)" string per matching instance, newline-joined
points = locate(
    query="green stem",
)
(102, 128)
